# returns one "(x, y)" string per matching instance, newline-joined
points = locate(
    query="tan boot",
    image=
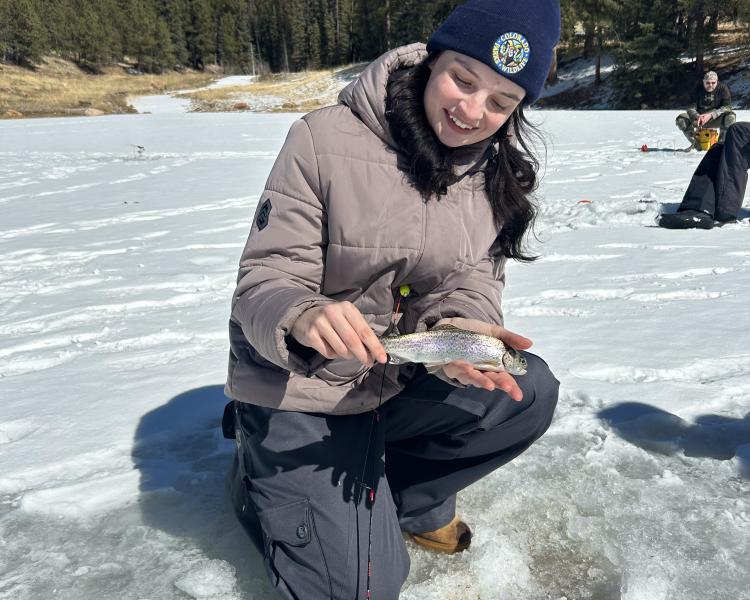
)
(449, 539)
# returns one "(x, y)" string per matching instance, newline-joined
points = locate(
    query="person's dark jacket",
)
(717, 102)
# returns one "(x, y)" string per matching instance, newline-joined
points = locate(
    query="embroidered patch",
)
(263, 214)
(511, 52)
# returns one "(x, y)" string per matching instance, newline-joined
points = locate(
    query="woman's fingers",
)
(371, 341)
(510, 338)
(318, 343)
(355, 333)
(365, 335)
(468, 375)
(325, 330)
(507, 383)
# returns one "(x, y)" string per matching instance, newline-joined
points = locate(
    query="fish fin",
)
(446, 327)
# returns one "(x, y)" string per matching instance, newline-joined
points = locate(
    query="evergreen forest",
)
(652, 40)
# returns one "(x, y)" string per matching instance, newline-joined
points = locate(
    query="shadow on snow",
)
(709, 436)
(183, 461)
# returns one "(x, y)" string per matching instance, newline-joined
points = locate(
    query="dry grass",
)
(283, 92)
(59, 88)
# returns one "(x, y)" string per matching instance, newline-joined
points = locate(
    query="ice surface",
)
(116, 270)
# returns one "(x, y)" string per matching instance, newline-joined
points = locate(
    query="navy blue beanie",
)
(516, 39)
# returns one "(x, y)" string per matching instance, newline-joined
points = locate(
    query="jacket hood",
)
(367, 94)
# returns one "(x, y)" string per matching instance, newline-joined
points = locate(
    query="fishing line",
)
(371, 488)
(404, 292)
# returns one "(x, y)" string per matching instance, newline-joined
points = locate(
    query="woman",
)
(393, 211)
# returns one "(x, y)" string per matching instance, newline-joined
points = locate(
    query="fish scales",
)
(447, 344)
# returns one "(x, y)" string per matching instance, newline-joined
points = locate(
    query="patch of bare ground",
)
(59, 88)
(278, 92)
(732, 48)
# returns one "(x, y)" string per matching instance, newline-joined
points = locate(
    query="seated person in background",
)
(717, 188)
(713, 109)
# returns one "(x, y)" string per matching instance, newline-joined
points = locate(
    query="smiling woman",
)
(394, 211)
(466, 101)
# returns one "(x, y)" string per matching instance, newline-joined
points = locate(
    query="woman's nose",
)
(473, 106)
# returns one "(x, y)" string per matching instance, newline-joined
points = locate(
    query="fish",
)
(447, 343)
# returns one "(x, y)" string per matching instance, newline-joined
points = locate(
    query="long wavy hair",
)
(510, 171)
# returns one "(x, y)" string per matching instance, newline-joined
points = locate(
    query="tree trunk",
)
(713, 20)
(387, 24)
(598, 74)
(699, 42)
(552, 75)
(338, 34)
(286, 52)
(588, 40)
(252, 59)
(351, 32)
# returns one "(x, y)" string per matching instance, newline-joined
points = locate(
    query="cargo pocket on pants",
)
(293, 554)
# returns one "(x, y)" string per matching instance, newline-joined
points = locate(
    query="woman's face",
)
(466, 101)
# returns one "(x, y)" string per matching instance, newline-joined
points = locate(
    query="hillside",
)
(59, 88)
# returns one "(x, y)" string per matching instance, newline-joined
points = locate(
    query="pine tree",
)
(597, 18)
(160, 51)
(700, 20)
(249, 61)
(23, 37)
(91, 38)
(198, 33)
(176, 15)
(411, 22)
(649, 69)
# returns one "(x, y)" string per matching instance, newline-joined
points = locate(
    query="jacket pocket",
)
(293, 554)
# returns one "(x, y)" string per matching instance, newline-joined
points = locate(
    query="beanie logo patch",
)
(511, 52)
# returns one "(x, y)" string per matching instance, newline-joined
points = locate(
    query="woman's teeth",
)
(459, 123)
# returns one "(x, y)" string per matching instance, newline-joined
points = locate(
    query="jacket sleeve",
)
(725, 102)
(477, 296)
(281, 269)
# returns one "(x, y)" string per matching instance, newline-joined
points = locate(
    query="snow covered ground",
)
(116, 269)
(581, 73)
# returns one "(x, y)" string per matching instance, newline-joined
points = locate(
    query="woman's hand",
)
(488, 380)
(339, 330)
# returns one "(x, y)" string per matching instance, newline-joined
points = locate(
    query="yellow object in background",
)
(707, 137)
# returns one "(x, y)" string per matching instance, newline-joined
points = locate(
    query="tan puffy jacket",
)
(338, 221)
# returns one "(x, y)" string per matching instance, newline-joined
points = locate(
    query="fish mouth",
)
(394, 360)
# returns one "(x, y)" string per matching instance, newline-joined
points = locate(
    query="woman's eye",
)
(497, 105)
(461, 81)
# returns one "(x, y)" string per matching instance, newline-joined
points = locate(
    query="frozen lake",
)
(119, 241)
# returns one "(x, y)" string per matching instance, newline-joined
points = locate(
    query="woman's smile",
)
(457, 124)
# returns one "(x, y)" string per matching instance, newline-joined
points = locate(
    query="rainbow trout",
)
(447, 343)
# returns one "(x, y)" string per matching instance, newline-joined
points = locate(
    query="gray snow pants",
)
(301, 482)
